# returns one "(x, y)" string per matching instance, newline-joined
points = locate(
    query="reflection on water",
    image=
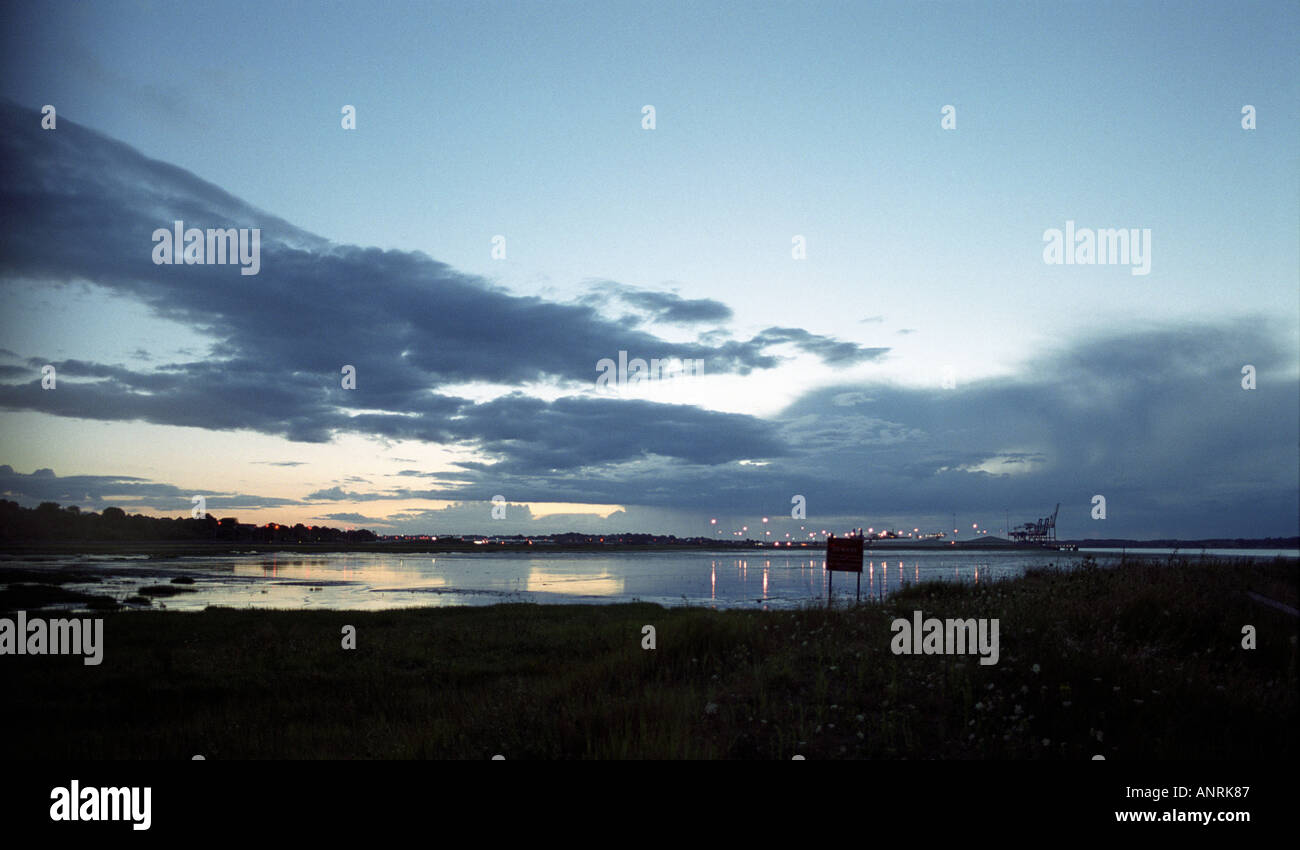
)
(553, 580)
(368, 581)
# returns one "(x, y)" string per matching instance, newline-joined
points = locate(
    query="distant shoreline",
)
(167, 548)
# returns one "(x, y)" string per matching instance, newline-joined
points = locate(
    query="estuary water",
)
(370, 581)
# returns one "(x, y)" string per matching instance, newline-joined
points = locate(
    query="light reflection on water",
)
(378, 580)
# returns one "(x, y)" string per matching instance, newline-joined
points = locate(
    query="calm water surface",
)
(370, 581)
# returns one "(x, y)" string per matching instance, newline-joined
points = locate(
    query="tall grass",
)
(1142, 660)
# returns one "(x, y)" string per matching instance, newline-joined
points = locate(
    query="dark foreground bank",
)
(1143, 660)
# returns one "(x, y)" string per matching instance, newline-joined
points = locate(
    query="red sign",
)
(844, 554)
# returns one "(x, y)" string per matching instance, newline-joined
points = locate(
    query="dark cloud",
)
(356, 519)
(470, 517)
(833, 352)
(338, 494)
(1155, 421)
(664, 307)
(75, 205)
(94, 492)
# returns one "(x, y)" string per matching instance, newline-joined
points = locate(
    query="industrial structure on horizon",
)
(1041, 531)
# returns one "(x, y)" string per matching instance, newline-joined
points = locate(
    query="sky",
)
(838, 213)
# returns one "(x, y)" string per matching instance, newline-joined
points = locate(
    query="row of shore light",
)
(744, 529)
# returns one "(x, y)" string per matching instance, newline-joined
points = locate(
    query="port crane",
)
(1041, 531)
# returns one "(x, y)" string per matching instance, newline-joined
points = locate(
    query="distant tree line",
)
(49, 521)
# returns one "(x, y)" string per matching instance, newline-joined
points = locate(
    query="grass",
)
(1138, 661)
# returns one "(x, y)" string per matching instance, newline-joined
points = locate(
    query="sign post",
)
(843, 554)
